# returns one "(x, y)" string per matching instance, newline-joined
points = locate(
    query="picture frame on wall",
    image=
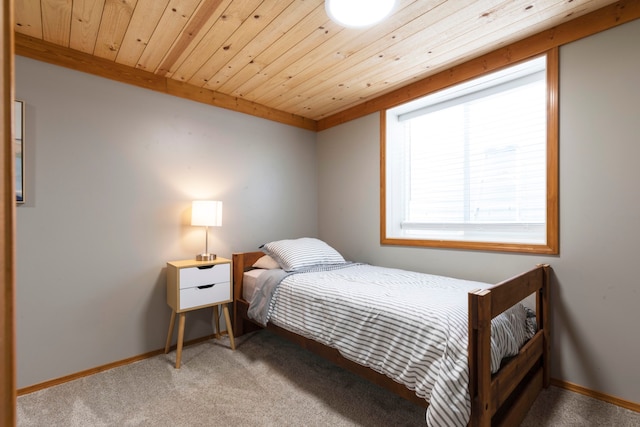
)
(18, 129)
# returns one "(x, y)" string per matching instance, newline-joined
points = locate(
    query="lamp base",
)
(205, 257)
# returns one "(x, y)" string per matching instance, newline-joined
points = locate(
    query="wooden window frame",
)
(551, 247)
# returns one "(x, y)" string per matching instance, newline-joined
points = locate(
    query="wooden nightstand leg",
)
(227, 319)
(216, 322)
(172, 322)
(180, 338)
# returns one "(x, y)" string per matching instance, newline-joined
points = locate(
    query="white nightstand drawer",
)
(198, 276)
(192, 288)
(197, 296)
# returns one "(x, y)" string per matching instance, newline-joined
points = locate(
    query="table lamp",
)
(207, 213)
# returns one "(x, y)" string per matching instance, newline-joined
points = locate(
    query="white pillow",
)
(304, 252)
(266, 262)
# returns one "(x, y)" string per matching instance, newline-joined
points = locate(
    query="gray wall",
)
(111, 170)
(596, 342)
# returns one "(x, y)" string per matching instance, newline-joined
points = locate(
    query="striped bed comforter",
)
(409, 326)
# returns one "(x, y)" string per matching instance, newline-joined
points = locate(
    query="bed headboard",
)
(241, 263)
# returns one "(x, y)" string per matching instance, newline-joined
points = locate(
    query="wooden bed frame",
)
(502, 399)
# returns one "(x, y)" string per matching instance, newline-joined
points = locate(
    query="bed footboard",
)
(505, 398)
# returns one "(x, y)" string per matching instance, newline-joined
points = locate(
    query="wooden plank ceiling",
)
(286, 56)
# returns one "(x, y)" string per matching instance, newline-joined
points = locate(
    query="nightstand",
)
(192, 285)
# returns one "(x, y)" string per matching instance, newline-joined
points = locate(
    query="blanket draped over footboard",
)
(409, 326)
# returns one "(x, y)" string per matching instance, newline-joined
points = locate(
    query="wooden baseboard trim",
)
(86, 373)
(596, 395)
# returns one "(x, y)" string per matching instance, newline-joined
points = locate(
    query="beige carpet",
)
(266, 382)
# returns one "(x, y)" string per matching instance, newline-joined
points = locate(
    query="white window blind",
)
(469, 163)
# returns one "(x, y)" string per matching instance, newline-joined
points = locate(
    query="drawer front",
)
(195, 297)
(193, 276)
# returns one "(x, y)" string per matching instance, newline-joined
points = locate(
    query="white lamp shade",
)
(358, 13)
(207, 213)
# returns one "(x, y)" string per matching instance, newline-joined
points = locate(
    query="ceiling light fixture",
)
(358, 13)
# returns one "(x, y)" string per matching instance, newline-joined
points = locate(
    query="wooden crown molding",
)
(586, 25)
(40, 50)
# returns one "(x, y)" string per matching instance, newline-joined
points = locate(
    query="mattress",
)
(249, 282)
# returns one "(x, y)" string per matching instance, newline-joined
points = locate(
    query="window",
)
(475, 165)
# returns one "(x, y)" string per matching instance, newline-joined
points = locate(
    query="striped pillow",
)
(294, 254)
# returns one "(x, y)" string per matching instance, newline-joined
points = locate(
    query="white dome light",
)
(358, 13)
